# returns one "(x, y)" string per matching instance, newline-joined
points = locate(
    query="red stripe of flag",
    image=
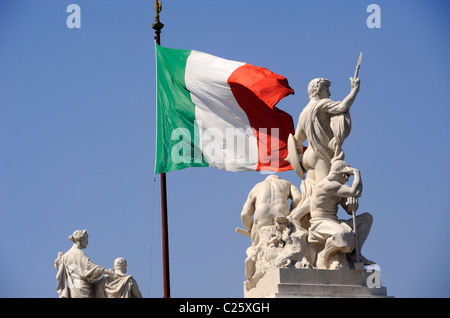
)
(257, 90)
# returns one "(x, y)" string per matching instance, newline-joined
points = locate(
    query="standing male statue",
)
(325, 124)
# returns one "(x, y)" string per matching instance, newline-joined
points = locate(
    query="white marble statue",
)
(332, 238)
(79, 277)
(275, 242)
(76, 272)
(310, 234)
(267, 200)
(325, 124)
(123, 286)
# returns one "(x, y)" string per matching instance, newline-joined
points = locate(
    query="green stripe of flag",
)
(175, 113)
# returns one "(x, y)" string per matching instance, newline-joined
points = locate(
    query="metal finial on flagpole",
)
(157, 26)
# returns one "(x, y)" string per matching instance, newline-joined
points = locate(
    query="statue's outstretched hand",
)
(110, 273)
(354, 83)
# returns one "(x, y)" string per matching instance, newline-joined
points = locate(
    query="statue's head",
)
(80, 237)
(338, 168)
(319, 87)
(272, 177)
(120, 264)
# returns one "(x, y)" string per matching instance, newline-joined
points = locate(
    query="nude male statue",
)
(330, 237)
(267, 201)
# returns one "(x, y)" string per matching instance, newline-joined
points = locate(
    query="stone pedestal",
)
(303, 282)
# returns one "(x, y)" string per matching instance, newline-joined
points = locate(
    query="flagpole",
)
(157, 26)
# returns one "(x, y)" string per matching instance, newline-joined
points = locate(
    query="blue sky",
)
(77, 133)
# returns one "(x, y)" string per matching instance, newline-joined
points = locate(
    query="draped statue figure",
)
(124, 286)
(78, 277)
(324, 124)
(76, 272)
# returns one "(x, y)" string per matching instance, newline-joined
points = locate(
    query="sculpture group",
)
(79, 277)
(307, 233)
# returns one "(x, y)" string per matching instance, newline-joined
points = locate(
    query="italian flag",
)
(216, 112)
